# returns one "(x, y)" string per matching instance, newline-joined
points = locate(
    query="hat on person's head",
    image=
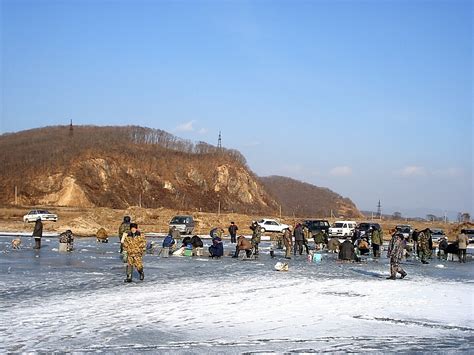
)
(133, 225)
(127, 219)
(231, 222)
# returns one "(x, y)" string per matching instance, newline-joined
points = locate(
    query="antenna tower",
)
(219, 141)
(379, 210)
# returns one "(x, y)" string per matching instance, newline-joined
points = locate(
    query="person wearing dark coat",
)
(38, 233)
(186, 241)
(233, 232)
(347, 251)
(217, 248)
(298, 234)
(442, 246)
(196, 242)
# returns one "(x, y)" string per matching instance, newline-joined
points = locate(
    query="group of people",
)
(133, 244)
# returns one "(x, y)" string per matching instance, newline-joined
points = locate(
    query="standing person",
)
(377, 241)
(414, 237)
(256, 236)
(233, 232)
(424, 245)
(442, 246)
(124, 229)
(306, 236)
(463, 241)
(299, 238)
(135, 246)
(396, 248)
(38, 233)
(288, 241)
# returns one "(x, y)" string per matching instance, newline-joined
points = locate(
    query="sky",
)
(372, 99)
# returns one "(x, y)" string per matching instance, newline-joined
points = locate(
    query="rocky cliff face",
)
(118, 167)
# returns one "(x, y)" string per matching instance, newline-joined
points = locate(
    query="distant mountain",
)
(303, 199)
(125, 166)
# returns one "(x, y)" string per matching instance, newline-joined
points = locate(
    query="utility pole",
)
(379, 210)
(219, 141)
(140, 200)
(280, 213)
(71, 130)
(16, 195)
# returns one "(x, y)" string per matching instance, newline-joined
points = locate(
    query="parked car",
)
(44, 215)
(365, 226)
(470, 234)
(405, 229)
(184, 224)
(315, 225)
(437, 234)
(272, 225)
(342, 229)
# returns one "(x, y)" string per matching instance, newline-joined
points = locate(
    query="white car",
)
(272, 225)
(44, 215)
(342, 229)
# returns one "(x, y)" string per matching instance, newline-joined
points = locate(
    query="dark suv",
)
(315, 225)
(365, 226)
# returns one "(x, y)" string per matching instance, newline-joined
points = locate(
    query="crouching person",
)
(243, 244)
(135, 245)
(216, 249)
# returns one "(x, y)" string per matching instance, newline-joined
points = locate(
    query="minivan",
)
(342, 229)
(184, 224)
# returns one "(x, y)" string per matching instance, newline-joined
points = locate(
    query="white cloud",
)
(341, 171)
(413, 170)
(186, 127)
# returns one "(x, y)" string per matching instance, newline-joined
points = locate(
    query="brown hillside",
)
(303, 199)
(120, 167)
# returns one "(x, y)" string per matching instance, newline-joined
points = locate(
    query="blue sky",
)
(372, 99)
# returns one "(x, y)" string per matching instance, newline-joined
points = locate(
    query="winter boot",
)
(129, 274)
(391, 277)
(403, 274)
(142, 274)
(37, 243)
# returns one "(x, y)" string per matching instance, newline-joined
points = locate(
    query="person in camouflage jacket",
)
(256, 236)
(424, 245)
(124, 228)
(135, 246)
(288, 242)
(396, 248)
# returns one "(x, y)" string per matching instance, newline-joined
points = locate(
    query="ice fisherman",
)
(243, 244)
(377, 241)
(319, 239)
(288, 242)
(463, 241)
(135, 246)
(347, 251)
(299, 239)
(216, 232)
(396, 249)
(123, 230)
(217, 248)
(424, 245)
(68, 238)
(256, 236)
(38, 233)
(233, 232)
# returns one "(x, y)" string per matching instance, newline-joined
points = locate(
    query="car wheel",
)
(263, 230)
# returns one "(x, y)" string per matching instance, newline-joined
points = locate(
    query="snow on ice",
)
(78, 302)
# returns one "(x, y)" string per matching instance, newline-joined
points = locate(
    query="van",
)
(184, 224)
(342, 229)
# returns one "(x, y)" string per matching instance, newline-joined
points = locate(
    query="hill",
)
(303, 199)
(119, 167)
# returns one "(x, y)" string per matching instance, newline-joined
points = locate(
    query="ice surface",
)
(53, 301)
